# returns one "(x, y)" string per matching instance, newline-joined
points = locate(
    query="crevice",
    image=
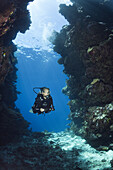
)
(86, 47)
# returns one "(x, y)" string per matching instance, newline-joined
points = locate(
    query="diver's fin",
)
(31, 111)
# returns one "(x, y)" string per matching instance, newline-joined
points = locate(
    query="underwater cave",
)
(67, 46)
(38, 67)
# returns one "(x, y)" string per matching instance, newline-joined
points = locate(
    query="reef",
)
(86, 49)
(35, 152)
(14, 17)
(58, 151)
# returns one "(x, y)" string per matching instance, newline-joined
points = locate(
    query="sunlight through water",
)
(37, 66)
(45, 18)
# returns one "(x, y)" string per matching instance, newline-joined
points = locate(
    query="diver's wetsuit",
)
(41, 102)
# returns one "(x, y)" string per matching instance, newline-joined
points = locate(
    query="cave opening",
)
(84, 42)
(38, 67)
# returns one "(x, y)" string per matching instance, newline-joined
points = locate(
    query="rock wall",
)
(14, 17)
(86, 47)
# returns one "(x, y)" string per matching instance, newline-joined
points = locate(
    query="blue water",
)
(41, 69)
(37, 66)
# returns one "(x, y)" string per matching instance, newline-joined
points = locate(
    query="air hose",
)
(41, 88)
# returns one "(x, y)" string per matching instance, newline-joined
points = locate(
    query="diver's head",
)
(45, 91)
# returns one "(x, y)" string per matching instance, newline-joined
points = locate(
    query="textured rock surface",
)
(14, 17)
(36, 152)
(54, 151)
(86, 47)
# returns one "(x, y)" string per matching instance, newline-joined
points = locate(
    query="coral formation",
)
(58, 151)
(14, 17)
(36, 152)
(86, 47)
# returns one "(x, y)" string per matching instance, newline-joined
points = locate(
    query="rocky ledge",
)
(86, 47)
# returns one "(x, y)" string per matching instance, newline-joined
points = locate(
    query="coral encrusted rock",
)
(14, 17)
(86, 48)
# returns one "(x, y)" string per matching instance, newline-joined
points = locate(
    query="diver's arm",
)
(37, 100)
(36, 107)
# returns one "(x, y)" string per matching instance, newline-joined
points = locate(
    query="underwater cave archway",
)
(88, 44)
(37, 66)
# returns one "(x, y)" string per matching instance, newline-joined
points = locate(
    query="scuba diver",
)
(43, 102)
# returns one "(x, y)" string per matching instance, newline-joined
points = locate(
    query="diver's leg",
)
(39, 112)
(47, 110)
(34, 110)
